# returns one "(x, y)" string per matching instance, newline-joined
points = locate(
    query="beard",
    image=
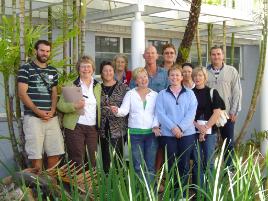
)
(41, 59)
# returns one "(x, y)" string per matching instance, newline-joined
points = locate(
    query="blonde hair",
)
(175, 67)
(117, 57)
(200, 69)
(85, 59)
(138, 71)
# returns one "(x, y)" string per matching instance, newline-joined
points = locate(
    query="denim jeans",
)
(180, 149)
(203, 158)
(143, 148)
(227, 132)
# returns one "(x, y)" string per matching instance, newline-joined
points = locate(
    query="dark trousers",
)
(111, 144)
(78, 140)
(180, 150)
(227, 132)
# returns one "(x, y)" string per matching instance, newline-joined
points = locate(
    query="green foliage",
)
(244, 182)
(212, 2)
(10, 46)
(185, 52)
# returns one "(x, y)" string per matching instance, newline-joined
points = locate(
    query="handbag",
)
(223, 118)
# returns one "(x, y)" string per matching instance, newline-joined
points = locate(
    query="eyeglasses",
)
(85, 66)
(169, 52)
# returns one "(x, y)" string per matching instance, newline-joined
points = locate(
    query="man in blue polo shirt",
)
(158, 78)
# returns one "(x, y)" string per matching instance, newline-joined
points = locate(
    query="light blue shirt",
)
(157, 82)
(175, 111)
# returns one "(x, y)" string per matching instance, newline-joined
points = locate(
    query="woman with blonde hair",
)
(139, 103)
(207, 113)
(121, 73)
(175, 109)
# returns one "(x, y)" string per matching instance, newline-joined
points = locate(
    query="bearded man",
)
(37, 88)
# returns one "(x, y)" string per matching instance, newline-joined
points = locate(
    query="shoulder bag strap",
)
(211, 94)
(42, 77)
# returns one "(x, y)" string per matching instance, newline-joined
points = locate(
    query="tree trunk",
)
(22, 61)
(3, 7)
(257, 87)
(232, 50)
(75, 23)
(49, 24)
(198, 46)
(64, 33)
(190, 30)
(30, 13)
(17, 100)
(9, 113)
(224, 38)
(22, 24)
(210, 36)
(83, 15)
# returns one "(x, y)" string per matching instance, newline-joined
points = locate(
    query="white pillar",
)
(264, 105)
(137, 41)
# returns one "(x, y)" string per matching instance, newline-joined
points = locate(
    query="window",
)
(127, 45)
(107, 44)
(194, 55)
(237, 60)
(106, 48)
(158, 44)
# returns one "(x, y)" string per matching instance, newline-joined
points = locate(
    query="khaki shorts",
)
(41, 136)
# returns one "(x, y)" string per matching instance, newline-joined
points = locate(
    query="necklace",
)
(107, 90)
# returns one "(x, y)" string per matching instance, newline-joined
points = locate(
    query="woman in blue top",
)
(175, 109)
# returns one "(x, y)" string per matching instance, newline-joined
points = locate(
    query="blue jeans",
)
(227, 132)
(180, 149)
(203, 158)
(143, 148)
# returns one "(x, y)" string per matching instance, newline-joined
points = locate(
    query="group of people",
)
(168, 108)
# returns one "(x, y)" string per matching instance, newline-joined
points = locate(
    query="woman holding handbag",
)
(208, 111)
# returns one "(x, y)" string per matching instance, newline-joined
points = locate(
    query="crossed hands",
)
(202, 130)
(45, 115)
(176, 131)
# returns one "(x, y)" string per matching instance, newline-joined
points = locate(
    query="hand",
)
(157, 131)
(202, 137)
(177, 132)
(232, 117)
(79, 104)
(202, 129)
(51, 113)
(114, 109)
(44, 115)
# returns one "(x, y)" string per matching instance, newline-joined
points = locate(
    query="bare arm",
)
(214, 117)
(54, 100)
(22, 92)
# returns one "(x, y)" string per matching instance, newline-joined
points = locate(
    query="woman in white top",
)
(139, 103)
(81, 118)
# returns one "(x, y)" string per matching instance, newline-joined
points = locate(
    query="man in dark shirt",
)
(37, 87)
